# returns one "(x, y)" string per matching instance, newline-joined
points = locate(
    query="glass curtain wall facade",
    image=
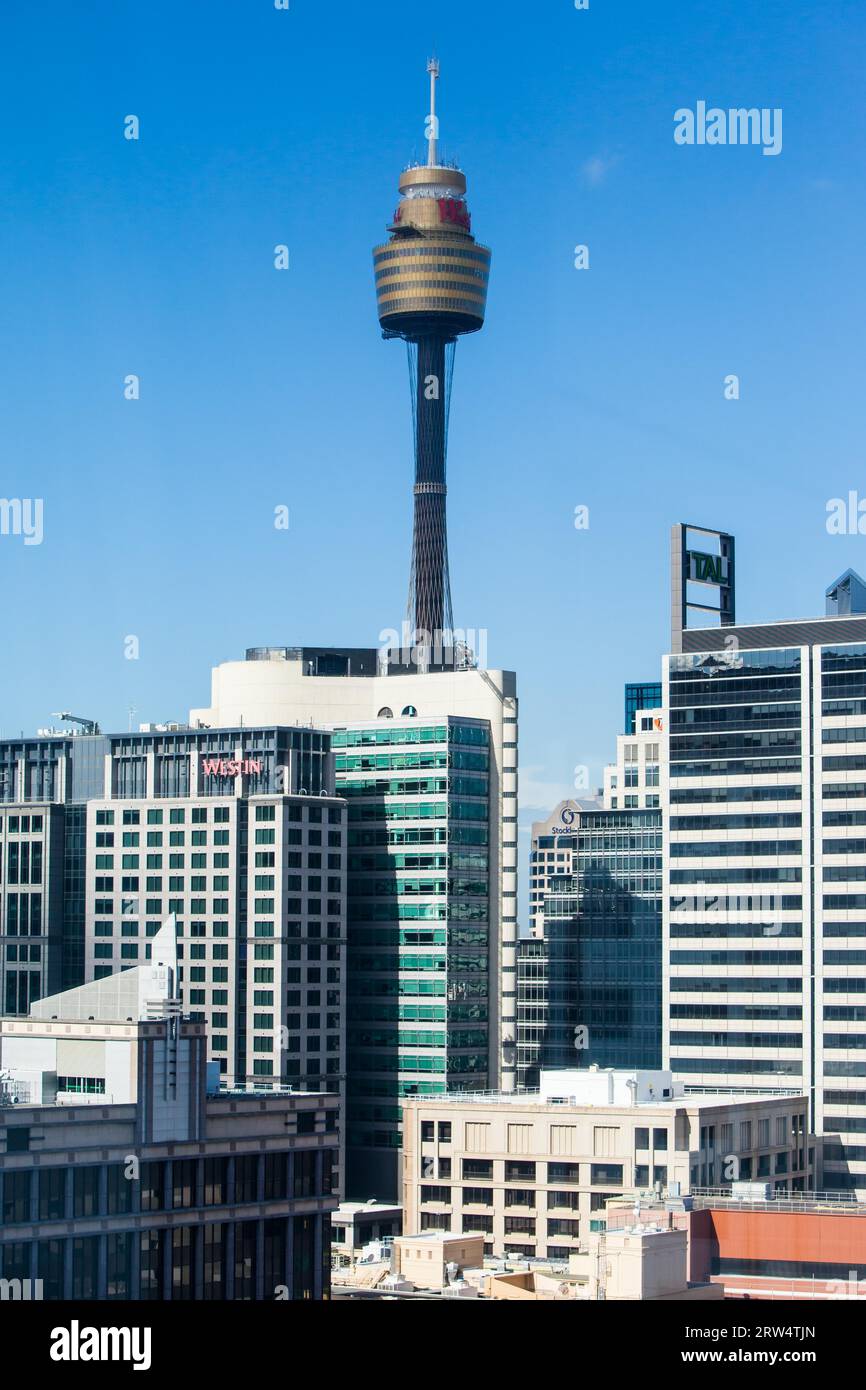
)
(418, 925)
(640, 695)
(590, 992)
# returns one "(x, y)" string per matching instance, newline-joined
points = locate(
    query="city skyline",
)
(432, 832)
(170, 276)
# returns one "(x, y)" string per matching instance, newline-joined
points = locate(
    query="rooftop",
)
(372, 1208)
(606, 1088)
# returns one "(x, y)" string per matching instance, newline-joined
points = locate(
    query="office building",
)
(356, 1224)
(428, 764)
(238, 834)
(126, 1174)
(45, 783)
(550, 855)
(589, 991)
(764, 908)
(533, 1172)
(634, 781)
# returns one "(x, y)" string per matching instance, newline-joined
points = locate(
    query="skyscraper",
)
(765, 864)
(428, 764)
(589, 988)
(431, 287)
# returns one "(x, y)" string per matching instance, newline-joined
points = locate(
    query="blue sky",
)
(262, 388)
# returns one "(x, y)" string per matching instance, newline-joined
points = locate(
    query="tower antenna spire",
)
(433, 128)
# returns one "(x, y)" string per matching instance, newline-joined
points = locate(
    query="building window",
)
(85, 1190)
(605, 1173)
(477, 1168)
(52, 1194)
(519, 1172)
(439, 1194)
(563, 1172)
(473, 1196)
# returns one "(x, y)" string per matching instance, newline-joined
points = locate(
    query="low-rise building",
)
(437, 1259)
(125, 1175)
(532, 1172)
(357, 1224)
(800, 1245)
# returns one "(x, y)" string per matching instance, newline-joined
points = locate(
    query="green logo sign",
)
(706, 569)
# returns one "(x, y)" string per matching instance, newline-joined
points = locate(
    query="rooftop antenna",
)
(433, 124)
(88, 726)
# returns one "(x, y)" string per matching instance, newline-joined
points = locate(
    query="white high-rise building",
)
(633, 782)
(765, 859)
(427, 761)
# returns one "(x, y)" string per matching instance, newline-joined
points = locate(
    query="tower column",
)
(431, 595)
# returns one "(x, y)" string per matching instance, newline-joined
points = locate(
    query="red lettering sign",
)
(230, 767)
(454, 210)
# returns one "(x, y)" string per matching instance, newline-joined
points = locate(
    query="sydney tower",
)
(431, 287)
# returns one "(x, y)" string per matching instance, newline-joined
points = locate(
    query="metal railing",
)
(704, 1197)
(757, 1094)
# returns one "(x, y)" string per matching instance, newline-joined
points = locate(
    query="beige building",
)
(435, 1259)
(532, 1172)
(637, 1264)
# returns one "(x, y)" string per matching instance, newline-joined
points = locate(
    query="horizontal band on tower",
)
(427, 247)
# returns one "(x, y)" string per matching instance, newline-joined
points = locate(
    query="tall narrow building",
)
(431, 287)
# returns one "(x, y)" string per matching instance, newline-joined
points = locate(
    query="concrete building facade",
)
(123, 1176)
(533, 1172)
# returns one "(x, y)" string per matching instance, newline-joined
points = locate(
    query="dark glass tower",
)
(590, 992)
(431, 287)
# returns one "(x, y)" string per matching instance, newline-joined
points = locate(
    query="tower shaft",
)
(429, 585)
